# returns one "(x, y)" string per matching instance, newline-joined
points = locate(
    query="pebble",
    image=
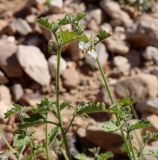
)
(34, 63)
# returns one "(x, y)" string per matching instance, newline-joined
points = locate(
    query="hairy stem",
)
(107, 89)
(46, 145)
(58, 105)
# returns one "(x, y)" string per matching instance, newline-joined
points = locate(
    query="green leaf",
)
(83, 157)
(33, 120)
(139, 124)
(64, 105)
(90, 108)
(20, 140)
(124, 102)
(16, 109)
(110, 126)
(45, 23)
(103, 35)
(105, 156)
(53, 134)
(69, 36)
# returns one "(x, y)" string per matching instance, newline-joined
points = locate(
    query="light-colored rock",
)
(102, 56)
(155, 72)
(144, 32)
(3, 78)
(8, 60)
(117, 45)
(139, 87)
(96, 14)
(70, 78)
(106, 27)
(114, 11)
(52, 62)
(153, 119)
(149, 105)
(151, 54)
(20, 26)
(56, 5)
(5, 100)
(17, 91)
(34, 63)
(121, 64)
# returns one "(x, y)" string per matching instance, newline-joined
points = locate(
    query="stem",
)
(46, 145)
(131, 146)
(58, 105)
(107, 89)
(20, 154)
(70, 124)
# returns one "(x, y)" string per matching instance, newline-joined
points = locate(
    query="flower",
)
(87, 48)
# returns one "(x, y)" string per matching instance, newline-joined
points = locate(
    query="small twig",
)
(70, 124)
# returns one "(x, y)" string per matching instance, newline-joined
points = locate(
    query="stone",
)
(8, 60)
(149, 105)
(3, 24)
(122, 65)
(155, 71)
(116, 45)
(20, 26)
(97, 136)
(70, 78)
(114, 11)
(153, 119)
(96, 14)
(5, 100)
(34, 63)
(3, 78)
(106, 27)
(17, 91)
(52, 63)
(139, 87)
(102, 56)
(151, 54)
(56, 5)
(144, 32)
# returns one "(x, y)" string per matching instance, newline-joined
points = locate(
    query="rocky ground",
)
(129, 57)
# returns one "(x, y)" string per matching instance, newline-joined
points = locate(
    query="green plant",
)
(38, 115)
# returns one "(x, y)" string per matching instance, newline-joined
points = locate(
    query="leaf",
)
(83, 157)
(103, 35)
(90, 108)
(20, 140)
(105, 156)
(139, 124)
(64, 104)
(33, 120)
(16, 108)
(110, 126)
(124, 102)
(45, 23)
(52, 135)
(69, 36)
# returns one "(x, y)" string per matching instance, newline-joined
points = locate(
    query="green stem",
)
(131, 146)
(70, 124)
(46, 145)
(58, 104)
(107, 89)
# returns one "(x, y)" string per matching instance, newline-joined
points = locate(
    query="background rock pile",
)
(129, 57)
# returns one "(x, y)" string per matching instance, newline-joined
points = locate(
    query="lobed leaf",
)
(53, 134)
(90, 108)
(103, 35)
(110, 126)
(45, 23)
(105, 156)
(139, 124)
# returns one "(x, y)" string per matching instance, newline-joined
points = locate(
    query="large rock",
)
(34, 63)
(114, 11)
(52, 62)
(144, 32)
(8, 60)
(70, 78)
(151, 54)
(5, 100)
(139, 87)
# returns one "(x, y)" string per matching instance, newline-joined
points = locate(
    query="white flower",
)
(84, 46)
(92, 53)
(87, 48)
